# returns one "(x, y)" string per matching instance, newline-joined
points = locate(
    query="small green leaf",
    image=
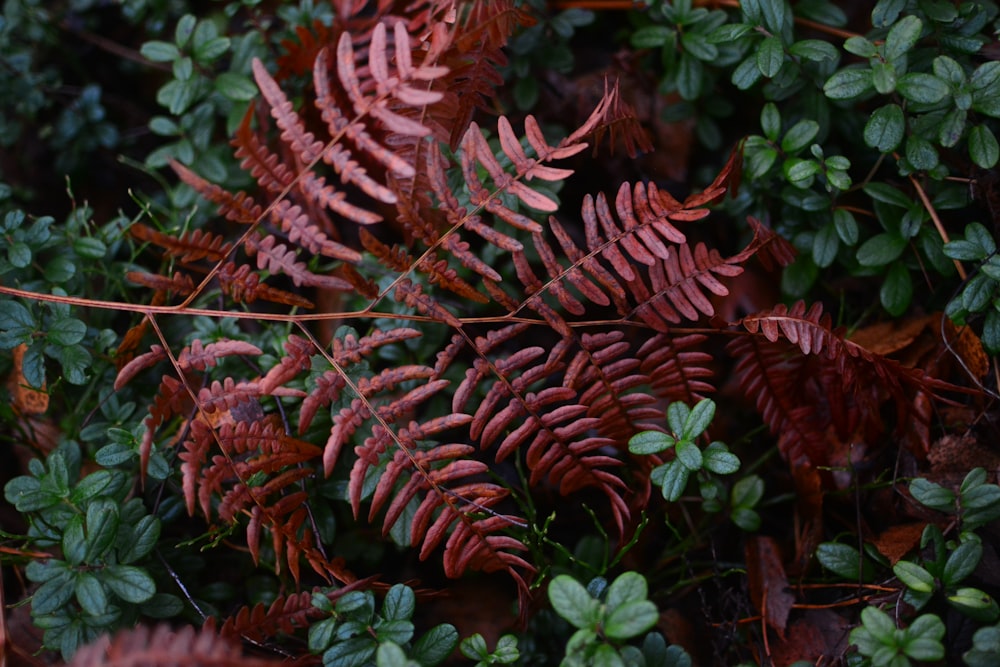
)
(932, 495)
(846, 225)
(896, 292)
(66, 331)
(54, 593)
(746, 74)
(673, 478)
(770, 121)
(885, 128)
(571, 600)
(689, 455)
(983, 147)
(815, 50)
(436, 645)
(650, 442)
(826, 243)
(922, 88)
(921, 153)
(74, 540)
(881, 249)
(159, 52)
(902, 37)
(627, 587)
(650, 36)
(19, 255)
(353, 652)
(236, 87)
(962, 562)
(951, 128)
(770, 56)
(860, 46)
(699, 46)
(128, 582)
(400, 603)
(913, 576)
(211, 49)
(879, 624)
(841, 559)
(90, 594)
(89, 247)
(884, 77)
(747, 492)
(774, 12)
(699, 419)
(976, 604)
(16, 323)
(474, 647)
(102, 528)
(799, 136)
(848, 83)
(321, 634)
(630, 619)
(143, 540)
(718, 459)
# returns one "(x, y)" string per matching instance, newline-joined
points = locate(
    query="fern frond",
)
(190, 247)
(165, 647)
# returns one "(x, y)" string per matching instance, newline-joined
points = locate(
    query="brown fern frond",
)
(242, 285)
(280, 259)
(808, 378)
(178, 283)
(239, 208)
(189, 247)
(621, 123)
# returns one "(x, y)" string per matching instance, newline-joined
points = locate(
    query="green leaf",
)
(825, 245)
(746, 74)
(921, 153)
(913, 576)
(650, 442)
(976, 604)
(159, 52)
(128, 582)
(436, 645)
(19, 255)
(774, 14)
(729, 32)
(922, 88)
(630, 619)
(841, 559)
(54, 593)
(815, 50)
(211, 49)
(985, 651)
(321, 634)
(400, 603)
(951, 128)
(627, 587)
(983, 147)
(718, 459)
(571, 600)
(89, 247)
(143, 540)
(26, 494)
(962, 562)
(474, 647)
(74, 540)
(390, 654)
(881, 249)
(932, 495)
(102, 528)
(799, 136)
(75, 360)
(879, 624)
(896, 292)
(885, 128)
(673, 478)
(699, 419)
(90, 594)
(860, 46)
(848, 83)
(770, 121)
(689, 75)
(66, 331)
(846, 225)
(883, 77)
(800, 172)
(650, 36)
(747, 492)
(902, 37)
(398, 630)
(689, 455)
(699, 46)
(353, 652)
(236, 87)
(770, 56)
(16, 324)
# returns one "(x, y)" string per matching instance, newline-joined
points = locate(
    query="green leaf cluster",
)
(885, 645)
(355, 633)
(686, 426)
(100, 580)
(606, 616)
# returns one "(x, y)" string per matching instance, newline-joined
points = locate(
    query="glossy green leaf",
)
(672, 477)
(881, 249)
(885, 128)
(437, 644)
(902, 37)
(848, 83)
(799, 136)
(144, 536)
(102, 528)
(921, 87)
(128, 582)
(650, 442)
(399, 603)
(914, 576)
(54, 593)
(842, 559)
(770, 56)
(571, 600)
(976, 604)
(650, 36)
(90, 594)
(983, 147)
(718, 459)
(630, 619)
(158, 51)
(627, 587)
(883, 77)
(932, 495)
(353, 652)
(962, 562)
(770, 121)
(815, 50)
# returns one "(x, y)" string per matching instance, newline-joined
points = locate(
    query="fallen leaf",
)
(899, 540)
(768, 583)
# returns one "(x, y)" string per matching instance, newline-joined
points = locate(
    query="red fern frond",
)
(189, 247)
(164, 647)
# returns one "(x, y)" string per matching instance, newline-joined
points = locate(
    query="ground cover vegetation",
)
(428, 332)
